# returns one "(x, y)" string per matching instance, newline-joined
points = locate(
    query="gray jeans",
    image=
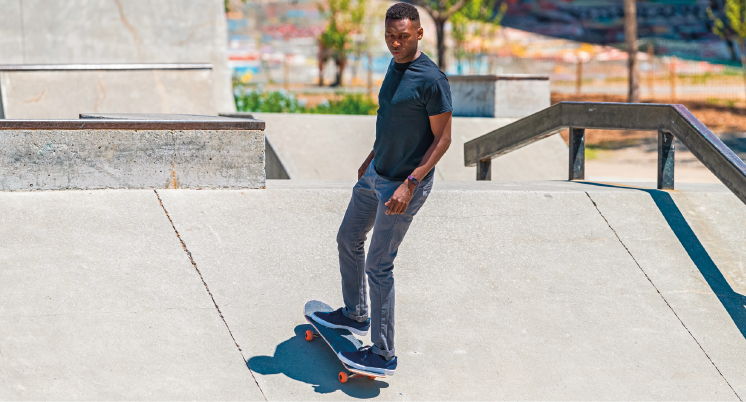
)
(365, 212)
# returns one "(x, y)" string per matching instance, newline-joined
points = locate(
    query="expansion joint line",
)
(207, 288)
(662, 297)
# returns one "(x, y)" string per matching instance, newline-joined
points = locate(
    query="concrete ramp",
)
(542, 291)
(332, 147)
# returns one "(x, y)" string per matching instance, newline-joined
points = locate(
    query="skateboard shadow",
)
(313, 363)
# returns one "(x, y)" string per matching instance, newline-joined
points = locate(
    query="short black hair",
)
(402, 11)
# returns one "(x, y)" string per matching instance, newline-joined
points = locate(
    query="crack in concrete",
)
(207, 288)
(130, 28)
(662, 297)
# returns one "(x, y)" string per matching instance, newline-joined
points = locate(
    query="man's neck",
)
(416, 55)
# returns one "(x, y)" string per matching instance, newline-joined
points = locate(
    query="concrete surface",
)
(332, 147)
(65, 94)
(118, 31)
(499, 96)
(100, 302)
(543, 290)
(91, 159)
(692, 247)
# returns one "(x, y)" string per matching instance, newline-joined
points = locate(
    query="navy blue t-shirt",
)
(410, 94)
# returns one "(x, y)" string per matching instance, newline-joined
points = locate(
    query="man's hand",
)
(399, 202)
(364, 167)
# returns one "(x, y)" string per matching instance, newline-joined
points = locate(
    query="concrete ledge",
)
(63, 91)
(502, 77)
(103, 153)
(104, 67)
(511, 96)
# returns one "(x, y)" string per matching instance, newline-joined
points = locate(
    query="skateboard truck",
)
(343, 376)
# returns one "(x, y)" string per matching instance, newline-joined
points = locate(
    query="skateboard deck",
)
(340, 340)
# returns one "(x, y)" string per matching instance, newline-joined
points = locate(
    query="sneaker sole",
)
(330, 325)
(374, 370)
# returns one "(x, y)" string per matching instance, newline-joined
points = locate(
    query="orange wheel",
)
(342, 377)
(372, 377)
(309, 335)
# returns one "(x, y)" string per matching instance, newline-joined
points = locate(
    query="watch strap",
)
(413, 180)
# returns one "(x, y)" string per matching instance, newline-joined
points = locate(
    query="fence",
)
(662, 79)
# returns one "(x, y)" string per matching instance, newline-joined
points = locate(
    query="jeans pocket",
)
(427, 186)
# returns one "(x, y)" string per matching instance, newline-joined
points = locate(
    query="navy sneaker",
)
(336, 319)
(364, 359)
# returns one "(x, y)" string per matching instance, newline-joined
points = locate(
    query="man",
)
(413, 131)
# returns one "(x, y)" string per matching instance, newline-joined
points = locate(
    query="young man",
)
(413, 131)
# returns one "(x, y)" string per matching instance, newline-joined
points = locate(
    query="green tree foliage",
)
(733, 28)
(479, 12)
(441, 11)
(345, 19)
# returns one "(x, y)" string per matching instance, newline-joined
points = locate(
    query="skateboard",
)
(340, 340)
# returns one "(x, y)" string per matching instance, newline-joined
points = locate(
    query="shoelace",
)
(336, 312)
(363, 351)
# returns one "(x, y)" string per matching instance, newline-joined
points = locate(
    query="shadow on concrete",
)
(313, 363)
(734, 303)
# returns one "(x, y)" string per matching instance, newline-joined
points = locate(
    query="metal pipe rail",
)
(668, 120)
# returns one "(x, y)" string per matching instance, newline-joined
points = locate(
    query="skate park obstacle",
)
(669, 120)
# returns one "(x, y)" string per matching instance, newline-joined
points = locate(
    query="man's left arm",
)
(441, 126)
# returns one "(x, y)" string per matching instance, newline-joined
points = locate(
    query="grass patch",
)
(592, 153)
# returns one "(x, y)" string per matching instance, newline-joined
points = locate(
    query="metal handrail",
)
(669, 120)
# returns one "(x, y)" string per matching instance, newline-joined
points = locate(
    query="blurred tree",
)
(344, 20)
(441, 11)
(734, 29)
(480, 15)
(630, 38)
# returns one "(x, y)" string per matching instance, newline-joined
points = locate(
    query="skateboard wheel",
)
(372, 377)
(342, 377)
(309, 335)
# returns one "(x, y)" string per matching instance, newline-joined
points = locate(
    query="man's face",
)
(402, 37)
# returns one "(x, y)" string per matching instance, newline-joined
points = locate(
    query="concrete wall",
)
(510, 96)
(118, 31)
(332, 147)
(66, 94)
(92, 159)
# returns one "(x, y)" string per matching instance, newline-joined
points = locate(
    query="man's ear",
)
(420, 32)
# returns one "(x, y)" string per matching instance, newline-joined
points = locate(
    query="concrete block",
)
(332, 147)
(511, 96)
(67, 93)
(132, 31)
(90, 159)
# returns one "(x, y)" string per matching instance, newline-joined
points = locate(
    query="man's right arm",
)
(364, 166)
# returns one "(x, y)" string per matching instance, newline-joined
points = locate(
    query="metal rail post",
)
(665, 160)
(484, 169)
(577, 154)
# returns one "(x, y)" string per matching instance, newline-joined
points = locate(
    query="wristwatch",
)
(413, 180)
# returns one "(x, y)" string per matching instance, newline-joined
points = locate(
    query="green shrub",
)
(281, 102)
(268, 102)
(350, 104)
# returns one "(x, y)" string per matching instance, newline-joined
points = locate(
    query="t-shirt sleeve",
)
(438, 98)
